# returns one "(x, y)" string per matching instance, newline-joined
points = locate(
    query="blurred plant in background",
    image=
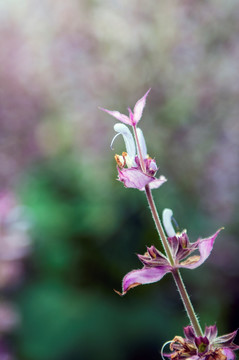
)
(61, 60)
(14, 245)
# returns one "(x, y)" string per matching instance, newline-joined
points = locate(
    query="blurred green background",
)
(60, 60)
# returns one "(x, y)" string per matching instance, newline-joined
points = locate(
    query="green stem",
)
(176, 274)
(187, 302)
(158, 224)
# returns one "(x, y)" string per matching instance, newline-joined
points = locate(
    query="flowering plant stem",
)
(137, 170)
(176, 274)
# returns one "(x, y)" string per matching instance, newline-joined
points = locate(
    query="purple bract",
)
(206, 347)
(134, 170)
(134, 116)
(156, 265)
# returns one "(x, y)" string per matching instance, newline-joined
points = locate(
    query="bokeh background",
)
(59, 61)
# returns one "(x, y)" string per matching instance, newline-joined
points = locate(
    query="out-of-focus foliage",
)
(60, 60)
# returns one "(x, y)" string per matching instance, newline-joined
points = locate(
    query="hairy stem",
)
(158, 224)
(176, 274)
(187, 302)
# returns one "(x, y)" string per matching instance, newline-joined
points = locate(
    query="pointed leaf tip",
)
(139, 107)
(119, 293)
(116, 114)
